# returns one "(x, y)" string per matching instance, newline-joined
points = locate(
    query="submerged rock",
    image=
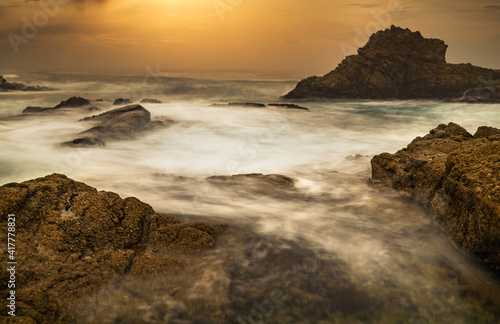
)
(72, 239)
(288, 106)
(397, 64)
(154, 101)
(268, 184)
(122, 101)
(457, 177)
(241, 104)
(117, 124)
(490, 94)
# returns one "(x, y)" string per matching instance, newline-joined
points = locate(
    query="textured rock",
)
(489, 94)
(73, 102)
(122, 101)
(117, 124)
(72, 239)
(457, 177)
(397, 64)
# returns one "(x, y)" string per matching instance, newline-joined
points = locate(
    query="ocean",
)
(338, 251)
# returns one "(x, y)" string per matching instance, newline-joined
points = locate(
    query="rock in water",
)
(117, 124)
(397, 64)
(154, 101)
(457, 177)
(257, 183)
(73, 102)
(7, 86)
(72, 239)
(122, 101)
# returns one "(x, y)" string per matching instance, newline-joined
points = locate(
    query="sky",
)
(280, 37)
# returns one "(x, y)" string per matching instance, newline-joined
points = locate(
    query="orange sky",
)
(289, 37)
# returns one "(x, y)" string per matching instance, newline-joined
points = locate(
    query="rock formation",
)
(117, 124)
(6, 86)
(122, 101)
(72, 239)
(73, 102)
(397, 64)
(154, 101)
(457, 177)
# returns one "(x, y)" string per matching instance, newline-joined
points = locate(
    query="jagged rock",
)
(73, 102)
(154, 101)
(117, 124)
(457, 177)
(241, 104)
(397, 64)
(258, 183)
(72, 239)
(6, 86)
(122, 101)
(288, 106)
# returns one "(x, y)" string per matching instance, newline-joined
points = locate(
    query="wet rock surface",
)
(71, 240)
(73, 102)
(398, 64)
(456, 176)
(122, 101)
(117, 124)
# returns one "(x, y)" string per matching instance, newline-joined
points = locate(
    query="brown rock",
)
(400, 64)
(72, 239)
(455, 176)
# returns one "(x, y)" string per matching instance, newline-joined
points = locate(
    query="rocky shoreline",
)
(400, 64)
(72, 240)
(456, 176)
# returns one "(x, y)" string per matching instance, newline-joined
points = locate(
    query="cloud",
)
(363, 5)
(492, 7)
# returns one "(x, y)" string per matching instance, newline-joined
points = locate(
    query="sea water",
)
(339, 251)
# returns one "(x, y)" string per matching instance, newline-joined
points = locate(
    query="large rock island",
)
(457, 177)
(400, 64)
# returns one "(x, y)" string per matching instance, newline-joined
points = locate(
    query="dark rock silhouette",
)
(6, 86)
(72, 239)
(117, 124)
(154, 101)
(457, 177)
(397, 64)
(122, 101)
(288, 106)
(73, 102)
(241, 104)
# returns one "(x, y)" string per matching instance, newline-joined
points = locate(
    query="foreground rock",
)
(7, 86)
(257, 183)
(117, 124)
(72, 239)
(397, 64)
(457, 177)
